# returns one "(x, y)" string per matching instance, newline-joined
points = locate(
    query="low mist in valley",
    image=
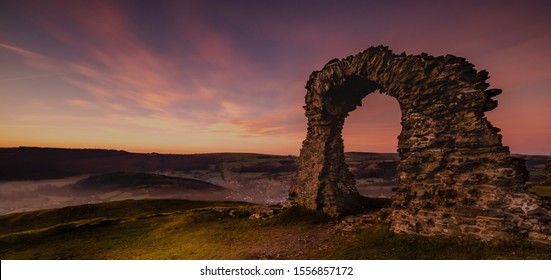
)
(41, 178)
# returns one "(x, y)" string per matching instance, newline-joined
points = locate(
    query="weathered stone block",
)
(471, 230)
(468, 211)
(493, 213)
(537, 236)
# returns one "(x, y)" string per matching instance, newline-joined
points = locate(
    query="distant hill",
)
(121, 180)
(32, 163)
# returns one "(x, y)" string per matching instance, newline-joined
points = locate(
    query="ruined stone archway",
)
(455, 176)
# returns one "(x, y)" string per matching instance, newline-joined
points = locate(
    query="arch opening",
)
(370, 135)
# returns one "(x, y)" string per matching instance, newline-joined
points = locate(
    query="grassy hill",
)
(181, 229)
(184, 229)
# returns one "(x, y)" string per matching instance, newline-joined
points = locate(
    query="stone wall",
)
(455, 176)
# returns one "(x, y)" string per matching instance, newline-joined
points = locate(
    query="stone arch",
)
(455, 176)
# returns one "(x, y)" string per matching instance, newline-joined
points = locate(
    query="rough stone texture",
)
(455, 176)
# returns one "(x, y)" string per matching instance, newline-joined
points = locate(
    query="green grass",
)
(180, 229)
(111, 210)
(544, 191)
(378, 243)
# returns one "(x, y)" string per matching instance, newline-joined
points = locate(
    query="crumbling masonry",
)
(455, 176)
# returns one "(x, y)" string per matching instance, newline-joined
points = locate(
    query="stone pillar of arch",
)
(455, 176)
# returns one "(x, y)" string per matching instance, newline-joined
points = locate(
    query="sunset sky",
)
(229, 76)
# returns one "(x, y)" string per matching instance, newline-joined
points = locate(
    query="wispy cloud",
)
(207, 91)
(25, 53)
(35, 60)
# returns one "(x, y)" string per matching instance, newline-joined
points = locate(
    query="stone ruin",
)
(455, 176)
